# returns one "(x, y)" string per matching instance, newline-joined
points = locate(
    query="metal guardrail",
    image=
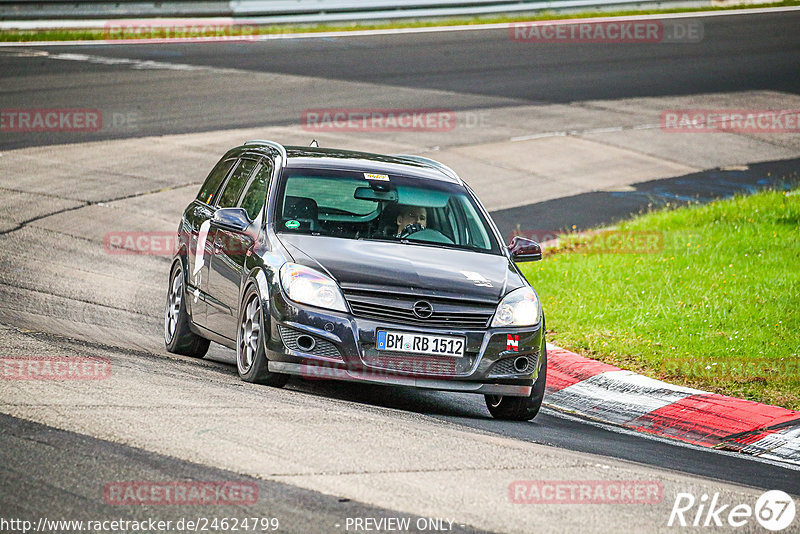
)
(94, 9)
(284, 11)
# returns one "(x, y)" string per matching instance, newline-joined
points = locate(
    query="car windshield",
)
(359, 205)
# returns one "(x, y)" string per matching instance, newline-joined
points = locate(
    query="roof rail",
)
(271, 144)
(430, 163)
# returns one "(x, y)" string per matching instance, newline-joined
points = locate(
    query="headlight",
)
(307, 286)
(518, 308)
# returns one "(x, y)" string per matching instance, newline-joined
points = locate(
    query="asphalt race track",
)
(484, 68)
(322, 452)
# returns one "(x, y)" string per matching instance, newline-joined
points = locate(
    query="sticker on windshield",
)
(372, 176)
(292, 224)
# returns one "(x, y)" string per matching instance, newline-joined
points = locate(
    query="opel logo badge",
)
(423, 309)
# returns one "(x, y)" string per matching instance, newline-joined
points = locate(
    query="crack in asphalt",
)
(41, 291)
(129, 251)
(86, 203)
(60, 340)
(26, 222)
(38, 193)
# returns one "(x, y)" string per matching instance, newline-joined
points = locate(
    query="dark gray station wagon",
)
(346, 265)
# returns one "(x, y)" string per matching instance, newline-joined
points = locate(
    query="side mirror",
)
(231, 219)
(523, 249)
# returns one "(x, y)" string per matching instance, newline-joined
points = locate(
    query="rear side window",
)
(235, 185)
(256, 193)
(210, 186)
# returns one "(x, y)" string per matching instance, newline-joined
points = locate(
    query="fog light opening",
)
(521, 364)
(305, 343)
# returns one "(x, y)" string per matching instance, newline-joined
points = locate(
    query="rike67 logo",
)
(774, 510)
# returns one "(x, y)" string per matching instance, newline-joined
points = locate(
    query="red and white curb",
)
(605, 393)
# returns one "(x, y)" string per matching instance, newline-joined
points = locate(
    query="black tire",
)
(251, 359)
(520, 408)
(178, 337)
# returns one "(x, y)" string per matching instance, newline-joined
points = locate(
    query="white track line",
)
(135, 64)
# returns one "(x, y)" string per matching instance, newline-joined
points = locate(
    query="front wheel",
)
(178, 337)
(520, 408)
(251, 359)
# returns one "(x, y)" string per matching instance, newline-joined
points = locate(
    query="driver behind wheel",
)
(411, 219)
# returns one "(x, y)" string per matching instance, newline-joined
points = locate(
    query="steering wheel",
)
(429, 235)
(412, 228)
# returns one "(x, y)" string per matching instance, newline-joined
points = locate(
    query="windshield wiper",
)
(382, 239)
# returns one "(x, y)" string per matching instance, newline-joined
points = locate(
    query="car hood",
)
(407, 268)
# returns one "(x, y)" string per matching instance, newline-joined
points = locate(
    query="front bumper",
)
(323, 372)
(344, 349)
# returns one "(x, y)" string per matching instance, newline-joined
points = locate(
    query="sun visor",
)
(427, 198)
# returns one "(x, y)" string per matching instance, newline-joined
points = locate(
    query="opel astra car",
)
(328, 263)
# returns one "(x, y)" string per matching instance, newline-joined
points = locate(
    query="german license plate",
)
(420, 343)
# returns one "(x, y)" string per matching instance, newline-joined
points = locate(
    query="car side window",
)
(215, 178)
(476, 233)
(235, 185)
(255, 194)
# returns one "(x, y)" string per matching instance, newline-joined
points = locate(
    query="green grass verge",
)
(101, 34)
(718, 308)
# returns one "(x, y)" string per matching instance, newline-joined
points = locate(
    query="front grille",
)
(322, 347)
(447, 313)
(418, 364)
(505, 367)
